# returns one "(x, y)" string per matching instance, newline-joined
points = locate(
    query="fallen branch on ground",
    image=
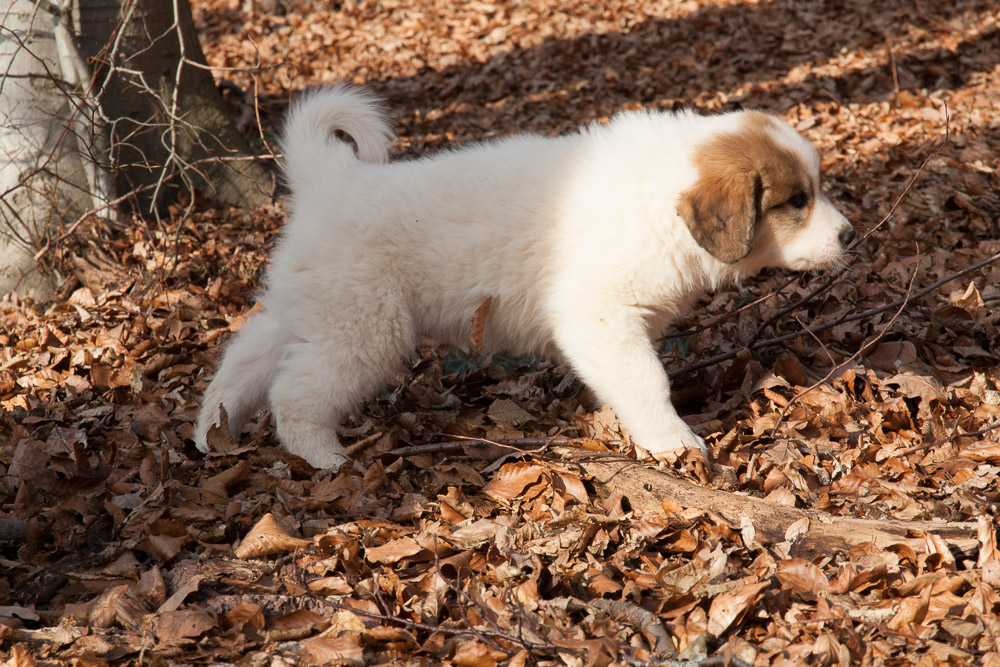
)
(647, 488)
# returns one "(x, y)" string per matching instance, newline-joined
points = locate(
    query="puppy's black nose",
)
(846, 236)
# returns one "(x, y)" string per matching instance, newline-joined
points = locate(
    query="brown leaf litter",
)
(851, 523)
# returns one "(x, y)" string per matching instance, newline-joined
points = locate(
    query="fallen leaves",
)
(182, 625)
(394, 550)
(332, 651)
(120, 543)
(729, 608)
(266, 538)
(801, 576)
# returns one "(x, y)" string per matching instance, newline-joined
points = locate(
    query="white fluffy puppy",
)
(589, 245)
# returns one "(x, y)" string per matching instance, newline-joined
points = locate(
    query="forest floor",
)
(851, 523)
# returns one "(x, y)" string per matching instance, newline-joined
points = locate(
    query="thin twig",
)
(872, 624)
(429, 448)
(928, 445)
(819, 342)
(726, 356)
(913, 179)
(719, 319)
(426, 627)
(861, 350)
(513, 444)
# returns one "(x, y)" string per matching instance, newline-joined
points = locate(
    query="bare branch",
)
(726, 356)
(861, 350)
(86, 118)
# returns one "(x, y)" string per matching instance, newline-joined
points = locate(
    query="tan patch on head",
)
(744, 176)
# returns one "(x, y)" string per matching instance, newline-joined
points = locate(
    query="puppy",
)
(589, 246)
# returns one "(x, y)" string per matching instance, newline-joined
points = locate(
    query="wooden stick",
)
(647, 488)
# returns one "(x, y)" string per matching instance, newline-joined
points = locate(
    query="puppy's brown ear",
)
(721, 210)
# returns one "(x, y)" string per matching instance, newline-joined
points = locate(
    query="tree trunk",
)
(41, 166)
(171, 129)
(105, 102)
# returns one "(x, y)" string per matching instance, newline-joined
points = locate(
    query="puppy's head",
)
(758, 202)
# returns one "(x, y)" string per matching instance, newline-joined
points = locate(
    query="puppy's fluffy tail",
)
(309, 143)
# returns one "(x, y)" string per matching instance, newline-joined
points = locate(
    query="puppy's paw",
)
(316, 443)
(672, 444)
(692, 440)
(329, 460)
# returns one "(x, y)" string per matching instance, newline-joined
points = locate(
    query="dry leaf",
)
(343, 650)
(177, 597)
(330, 586)
(173, 626)
(297, 624)
(729, 608)
(473, 534)
(393, 550)
(266, 538)
(512, 479)
(472, 653)
(478, 325)
(574, 486)
(244, 615)
(797, 529)
(747, 531)
(987, 540)
(936, 545)
(911, 612)
(801, 576)
(506, 410)
(20, 656)
(152, 588)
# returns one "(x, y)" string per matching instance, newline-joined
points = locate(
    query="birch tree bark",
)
(105, 105)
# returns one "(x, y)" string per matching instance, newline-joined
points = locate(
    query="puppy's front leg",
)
(613, 354)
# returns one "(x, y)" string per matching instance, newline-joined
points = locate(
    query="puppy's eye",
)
(798, 200)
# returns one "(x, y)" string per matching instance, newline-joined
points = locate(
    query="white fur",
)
(576, 239)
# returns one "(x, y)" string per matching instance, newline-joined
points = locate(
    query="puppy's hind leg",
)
(324, 378)
(240, 386)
